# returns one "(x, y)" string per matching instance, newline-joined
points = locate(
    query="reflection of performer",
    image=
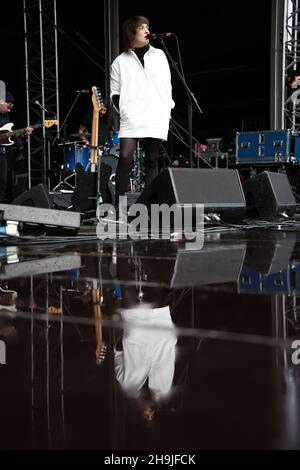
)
(145, 358)
(141, 89)
(148, 351)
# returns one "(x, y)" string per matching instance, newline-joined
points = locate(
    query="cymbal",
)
(86, 135)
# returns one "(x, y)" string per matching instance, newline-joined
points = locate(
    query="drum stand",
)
(136, 177)
(63, 185)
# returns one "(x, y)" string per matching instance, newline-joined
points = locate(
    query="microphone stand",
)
(63, 126)
(190, 96)
(171, 141)
(63, 139)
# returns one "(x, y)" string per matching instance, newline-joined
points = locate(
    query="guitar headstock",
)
(50, 122)
(101, 354)
(97, 99)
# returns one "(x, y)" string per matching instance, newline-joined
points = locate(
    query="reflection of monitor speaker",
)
(272, 254)
(40, 266)
(220, 191)
(211, 265)
(268, 195)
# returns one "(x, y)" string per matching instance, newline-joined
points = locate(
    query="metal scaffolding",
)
(42, 97)
(291, 67)
(42, 84)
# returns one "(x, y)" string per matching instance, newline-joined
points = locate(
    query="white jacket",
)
(145, 94)
(148, 353)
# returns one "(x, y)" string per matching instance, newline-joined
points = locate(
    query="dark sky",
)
(224, 46)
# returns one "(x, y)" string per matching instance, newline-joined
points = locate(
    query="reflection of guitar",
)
(6, 133)
(100, 345)
(97, 105)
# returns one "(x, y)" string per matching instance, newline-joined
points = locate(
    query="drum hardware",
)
(66, 143)
(115, 151)
(84, 135)
(113, 140)
(137, 173)
(77, 153)
(64, 181)
(74, 153)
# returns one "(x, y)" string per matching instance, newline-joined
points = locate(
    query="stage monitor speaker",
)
(38, 196)
(39, 220)
(61, 200)
(268, 195)
(220, 191)
(85, 193)
(211, 265)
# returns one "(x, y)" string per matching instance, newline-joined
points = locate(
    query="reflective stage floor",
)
(151, 344)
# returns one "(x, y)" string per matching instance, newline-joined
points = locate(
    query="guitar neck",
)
(18, 132)
(94, 139)
(6, 131)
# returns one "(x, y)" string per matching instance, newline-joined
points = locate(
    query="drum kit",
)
(77, 153)
(77, 159)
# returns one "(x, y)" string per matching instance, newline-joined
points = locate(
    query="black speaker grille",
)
(219, 190)
(281, 187)
(213, 188)
(269, 194)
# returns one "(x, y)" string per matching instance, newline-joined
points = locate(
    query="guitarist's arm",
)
(6, 107)
(28, 130)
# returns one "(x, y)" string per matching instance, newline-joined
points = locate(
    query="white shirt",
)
(145, 94)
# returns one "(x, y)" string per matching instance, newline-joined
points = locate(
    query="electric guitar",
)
(6, 131)
(97, 105)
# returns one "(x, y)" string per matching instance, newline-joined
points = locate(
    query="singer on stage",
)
(141, 90)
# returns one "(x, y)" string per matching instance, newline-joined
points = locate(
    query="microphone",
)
(40, 106)
(81, 91)
(158, 35)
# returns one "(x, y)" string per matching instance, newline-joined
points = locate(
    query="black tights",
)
(127, 148)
